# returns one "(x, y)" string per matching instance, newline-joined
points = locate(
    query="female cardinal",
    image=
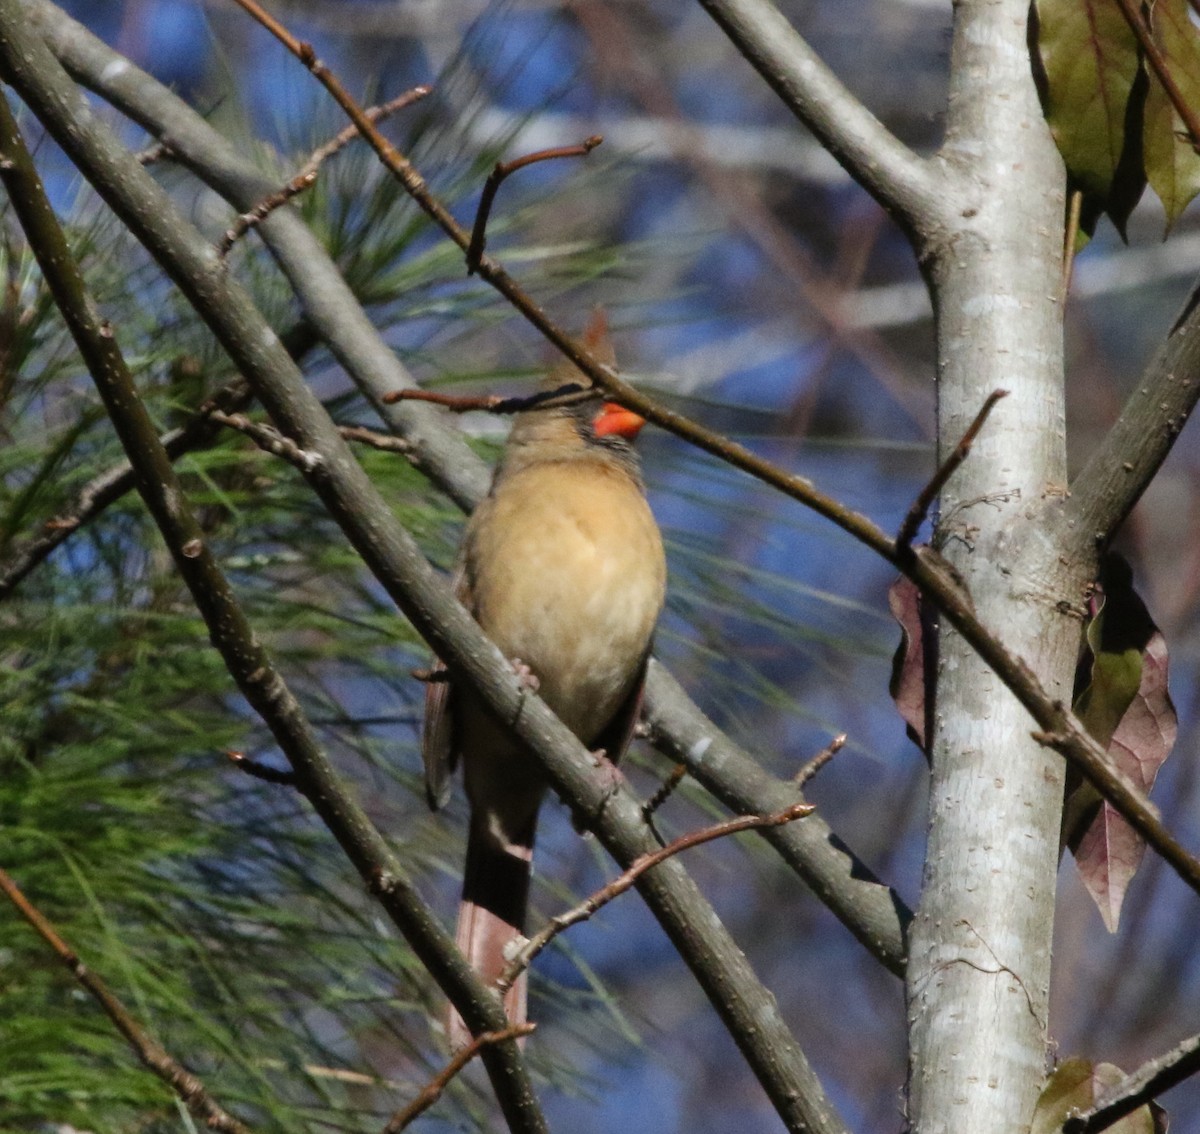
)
(562, 565)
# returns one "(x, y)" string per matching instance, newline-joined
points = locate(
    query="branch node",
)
(920, 508)
(309, 171)
(623, 882)
(432, 1091)
(819, 761)
(261, 771)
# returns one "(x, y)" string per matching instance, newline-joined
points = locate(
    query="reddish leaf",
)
(1138, 727)
(914, 661)
(1110, 851)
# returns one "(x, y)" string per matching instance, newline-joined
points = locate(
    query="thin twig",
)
(665, 791)
(500, 171)
(114, 483)
(385, 442)
(1074, 210)
(153, 1055)
(269, 439)
(152, 154)
(568, 394)
(305, 179)
(1138, 1088)
(261, 771)
(1162, 71)
(920, 509)
(432, 1091)
(819, 761)
(623, 882)
(311, 168)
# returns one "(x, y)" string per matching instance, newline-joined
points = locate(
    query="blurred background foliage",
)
(748, 281)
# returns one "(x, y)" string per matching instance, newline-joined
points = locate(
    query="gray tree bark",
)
(979, 968)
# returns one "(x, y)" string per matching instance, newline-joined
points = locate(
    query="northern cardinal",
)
(562, 565)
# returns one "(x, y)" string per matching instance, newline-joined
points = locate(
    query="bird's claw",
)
(527, 678)
(611, 776)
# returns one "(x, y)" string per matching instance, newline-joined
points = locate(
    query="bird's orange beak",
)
(614, 419)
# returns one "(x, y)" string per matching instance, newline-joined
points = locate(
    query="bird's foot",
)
(611, 778)
(525, 675)
(609, 774)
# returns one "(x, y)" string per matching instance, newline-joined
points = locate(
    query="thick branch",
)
(747, 1008)
(875, 914)
(896, 177)
(1125, 462)
(229, 629)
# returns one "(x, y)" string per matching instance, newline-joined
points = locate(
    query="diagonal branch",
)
(1138, 1088)
(625, 882)
(187, 1086)
(1125, 462)
(230, 631)
(504, 169)
(873, 912)
(897, 178)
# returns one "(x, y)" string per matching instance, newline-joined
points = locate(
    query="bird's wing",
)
(619, 732)
(438, 750)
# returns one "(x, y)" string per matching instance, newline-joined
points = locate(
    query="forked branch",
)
(626, 880)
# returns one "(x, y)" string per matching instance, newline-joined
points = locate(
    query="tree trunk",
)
(979, 970)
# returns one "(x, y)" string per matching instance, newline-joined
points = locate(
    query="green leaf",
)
(1091, 62)
(1075, 1085)
(1171, 162)
(1116, 637)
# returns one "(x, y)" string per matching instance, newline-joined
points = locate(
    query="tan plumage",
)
(562, 564)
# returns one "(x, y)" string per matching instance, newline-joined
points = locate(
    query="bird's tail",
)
(492, 913)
